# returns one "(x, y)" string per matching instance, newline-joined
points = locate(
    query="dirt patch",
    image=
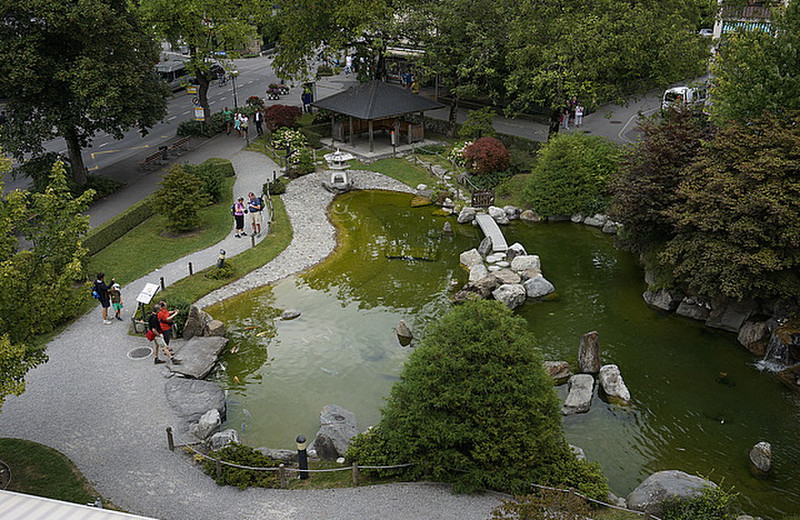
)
(166, 233)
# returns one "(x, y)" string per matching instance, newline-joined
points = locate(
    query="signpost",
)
(145, 297)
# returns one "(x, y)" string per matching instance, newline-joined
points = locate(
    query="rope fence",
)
(355, 468)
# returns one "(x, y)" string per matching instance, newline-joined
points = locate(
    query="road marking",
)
(185, 112)
(62, 152)
(222, 98)
(102, 145)
(162, 137)
(211, 102)
(171, 118)
(622, 131)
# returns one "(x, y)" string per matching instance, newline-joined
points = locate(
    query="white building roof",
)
(16, 506)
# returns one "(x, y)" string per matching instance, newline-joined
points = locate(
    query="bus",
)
(174, 74)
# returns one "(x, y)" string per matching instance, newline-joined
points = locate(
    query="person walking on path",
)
(243, 124)
(258, 118)
(237, 123)
(578, 115)
(238, 209)
(227, 116)
(166, 320)
(565, 119)
(254, 206)
(115, 293)
(157, 338)
(101, 290)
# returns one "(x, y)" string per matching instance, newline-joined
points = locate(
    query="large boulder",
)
(512, 212)
(496, 257)
(538, 287)
(404, 334)
(512, 295)
(579, 398)
(507, 276)
(224, 438)
(694, 309)
(485, 247)
(754, 335)
(611, 227)
(514, 250)
(466, 215)
(558, 370)
(525, 263)
(198, 355)
(288, 456)
(470, 258)
(337, 427)
(665, 486)
(761, 458)
(476, 272)
(730, 315)
(577, 218)
(208, 424)
(589, 353)
(484, 286)
(529, 216)
(663, 299)
(196, 322)
(498, 215)
(191, 398)
(613, 385)
(596, 221)
(215, 329)
(529, 273)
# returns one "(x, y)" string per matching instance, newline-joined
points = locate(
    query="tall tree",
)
(73, 68)
(38, 282)
(738, 217)
(207, 27)
(600, 50)
(310, 28)
(757, 71)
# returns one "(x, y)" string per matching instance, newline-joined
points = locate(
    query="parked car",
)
(684, 95)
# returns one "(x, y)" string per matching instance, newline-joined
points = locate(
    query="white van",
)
(684, 96)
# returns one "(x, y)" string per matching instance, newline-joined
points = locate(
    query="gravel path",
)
(108, 413)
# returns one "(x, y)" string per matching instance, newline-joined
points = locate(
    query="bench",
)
(151, 161)
(181, 145)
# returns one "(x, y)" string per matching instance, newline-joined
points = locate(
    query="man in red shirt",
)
(165, 318)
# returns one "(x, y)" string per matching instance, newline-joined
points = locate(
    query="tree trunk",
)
(202, 95)
(555, 123)
(452, 118)
(75, 158)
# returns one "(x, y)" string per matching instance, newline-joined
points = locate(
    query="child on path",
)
(115, 293)
(238, 210)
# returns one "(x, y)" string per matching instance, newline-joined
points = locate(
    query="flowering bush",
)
(283, 138)
(255, 101)
(486, 155)
(456, 155)
(281, 115)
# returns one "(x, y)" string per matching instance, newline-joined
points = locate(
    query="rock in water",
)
(761, 458)
(404, 335)
(477, 272)
(589, 353)
(663, 299)
(513, 295)
(485, 247)
(525, 263)
(447, 229)
(579, 399)
(466, 215)
(558, 370)
(613, 385)
(224, 438)
(664, 486)
(470, 258)
(538, 287)
(337, 427)
(208, 424)
(290, 314)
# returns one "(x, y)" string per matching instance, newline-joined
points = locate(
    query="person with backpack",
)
(100, 292)
(238, 210)
(156, 337)
(254, 206)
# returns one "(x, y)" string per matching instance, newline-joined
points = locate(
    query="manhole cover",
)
(615, 122)
(140, 353)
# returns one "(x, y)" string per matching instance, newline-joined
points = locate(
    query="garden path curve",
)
(108, 413)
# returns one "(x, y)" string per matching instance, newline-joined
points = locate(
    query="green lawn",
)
(509, 193)
(399, 169)
(39, 470)
(192, 288)
(144, 248)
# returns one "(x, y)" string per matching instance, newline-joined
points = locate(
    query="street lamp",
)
(233, 75)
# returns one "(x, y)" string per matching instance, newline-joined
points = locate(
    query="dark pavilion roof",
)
(376, 100)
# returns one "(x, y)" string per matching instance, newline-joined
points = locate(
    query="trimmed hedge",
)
(111, 230)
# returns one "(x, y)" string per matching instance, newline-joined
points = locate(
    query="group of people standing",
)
(109, 295)
(573, 110)
(240, 122)
(253, 207)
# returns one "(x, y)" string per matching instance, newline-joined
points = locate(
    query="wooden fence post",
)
(218, 467)
(282, 476)
(355, 474)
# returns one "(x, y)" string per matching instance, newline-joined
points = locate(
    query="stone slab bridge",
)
(492, 230)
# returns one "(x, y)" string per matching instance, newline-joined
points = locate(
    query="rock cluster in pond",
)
(510, 277)
(193, 399)
(337, 428)
(581, 385)
(200, 323)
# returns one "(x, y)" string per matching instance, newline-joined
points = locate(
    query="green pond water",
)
(343, 350)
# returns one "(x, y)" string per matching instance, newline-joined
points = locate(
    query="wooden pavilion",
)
(377, 106)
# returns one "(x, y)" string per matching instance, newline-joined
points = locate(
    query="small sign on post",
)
(199, 114)
(191, 91)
